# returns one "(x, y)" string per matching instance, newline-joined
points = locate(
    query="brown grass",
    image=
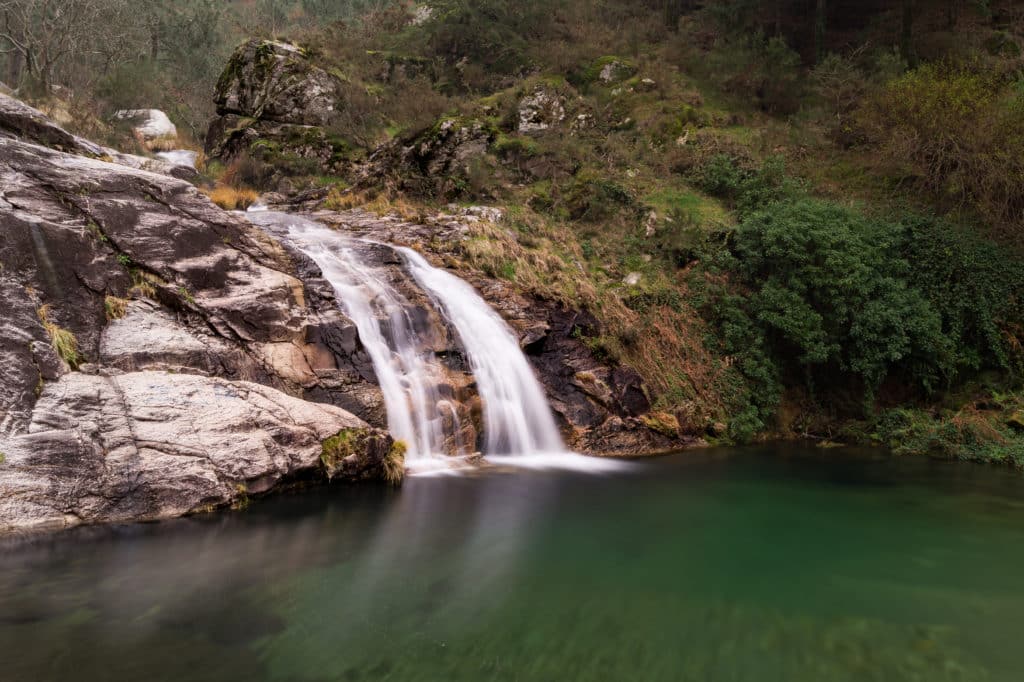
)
(232, 198)
(62, 340)
(115, 307)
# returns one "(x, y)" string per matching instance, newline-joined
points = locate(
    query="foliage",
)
(63, 341)
(960, 131)
(592, 197)
(978, 289)
(967, 434)
(763, 69)
(394, 463)
(746, 189)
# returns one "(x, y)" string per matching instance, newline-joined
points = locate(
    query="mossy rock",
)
(360, 454)
(609, 69)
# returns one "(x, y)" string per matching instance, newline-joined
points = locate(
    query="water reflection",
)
(690, 568)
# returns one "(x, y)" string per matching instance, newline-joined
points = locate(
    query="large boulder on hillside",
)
(276, 81)
(149, 124)
(440, 162)
(275, 105)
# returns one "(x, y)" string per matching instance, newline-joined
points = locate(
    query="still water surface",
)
(757, 565)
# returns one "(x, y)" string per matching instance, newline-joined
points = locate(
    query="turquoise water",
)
(758, 565)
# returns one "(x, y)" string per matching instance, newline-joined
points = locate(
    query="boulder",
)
(438, 162)
(540, 111)
(275, 105)
(148, 124)
(610, 70)
(276, 81)
(114, 447)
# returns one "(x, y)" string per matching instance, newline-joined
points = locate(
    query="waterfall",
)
(408, 376)
(516, 413)
(516, 417)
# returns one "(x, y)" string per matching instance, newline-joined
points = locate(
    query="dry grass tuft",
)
(115, 307)
(233, 198)
(62, 340)
(394, 463)
(162, 144)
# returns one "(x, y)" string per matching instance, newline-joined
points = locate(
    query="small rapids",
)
(179, 157)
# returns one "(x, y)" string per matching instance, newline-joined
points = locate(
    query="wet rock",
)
(202, 304)
(152, 445)
(599, 407)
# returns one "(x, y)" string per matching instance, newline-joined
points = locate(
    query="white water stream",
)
(519, 428)
(517, 418)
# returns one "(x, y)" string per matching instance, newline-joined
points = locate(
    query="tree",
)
(44, 35)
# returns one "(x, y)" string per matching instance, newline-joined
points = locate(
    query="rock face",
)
(436, 163)
(274, 104)
(540, 111)
(149, 445)
(131, 306)
(19, 120)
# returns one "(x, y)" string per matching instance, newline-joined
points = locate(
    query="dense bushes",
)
(960, 131)
(822, 295)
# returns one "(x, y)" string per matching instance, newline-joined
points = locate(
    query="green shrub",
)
(829, 290)
(591, 197)
(744, 189)
(968, 434)
(978, 289)
(960, 131)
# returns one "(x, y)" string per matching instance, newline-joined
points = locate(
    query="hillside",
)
(791, 218)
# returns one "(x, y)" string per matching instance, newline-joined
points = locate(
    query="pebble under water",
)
(765, 564)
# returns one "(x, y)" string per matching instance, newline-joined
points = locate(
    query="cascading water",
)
(516, 418)
(179, 157)
(516, 414)
(408, 375)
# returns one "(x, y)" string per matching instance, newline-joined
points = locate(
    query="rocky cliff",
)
(155, 351)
